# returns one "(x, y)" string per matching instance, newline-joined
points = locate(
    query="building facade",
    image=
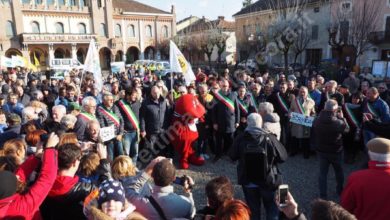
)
(47, 29)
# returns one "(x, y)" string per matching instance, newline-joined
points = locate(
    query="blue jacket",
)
(380, 107)
(17, 109)
(316, 96)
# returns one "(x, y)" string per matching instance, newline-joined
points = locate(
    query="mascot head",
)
(189, 106)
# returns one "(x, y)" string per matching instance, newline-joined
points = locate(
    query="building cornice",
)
(257, 13)
(57, 14)
(146, 14)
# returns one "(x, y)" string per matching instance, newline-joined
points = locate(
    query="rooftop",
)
(134, 6)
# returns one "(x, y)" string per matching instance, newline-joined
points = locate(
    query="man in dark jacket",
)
(129, 109)
(108, 115)
(154, 120)
(13, 129)
(331, 93)
(65, 199)
(225, 118)
(329, 128)
(253, 181)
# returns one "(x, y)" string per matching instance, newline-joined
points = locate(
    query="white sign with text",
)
(107, 133)
(300, 119)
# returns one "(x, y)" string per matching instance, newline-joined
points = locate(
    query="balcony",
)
(45, 38)
(379, 37)
(53, 8)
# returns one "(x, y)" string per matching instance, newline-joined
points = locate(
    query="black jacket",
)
(329, 131)
(224, 117)
(154, 115)
(275, 151)
(335, 96)
(135, 106)
(69, 205)
(379, 128)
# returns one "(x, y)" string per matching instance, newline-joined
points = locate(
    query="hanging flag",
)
(179, 63)
(92, 64)
(36, 61)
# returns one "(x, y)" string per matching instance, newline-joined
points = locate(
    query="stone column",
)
(141, 30)
(74, 51)
(51, 54)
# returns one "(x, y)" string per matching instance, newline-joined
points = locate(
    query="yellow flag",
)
(36, 61)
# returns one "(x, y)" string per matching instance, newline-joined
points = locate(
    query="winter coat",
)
(366, 193)
(271, 123)
(67, 194)
(300, 131)
(26, 206)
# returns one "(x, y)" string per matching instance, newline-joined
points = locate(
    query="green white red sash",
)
(225, 100)
(87, 116)
(300, 106)
(350, 115)
(111, 115)
(371, 110)
(129, 113)
(282, 102)
(243, 106)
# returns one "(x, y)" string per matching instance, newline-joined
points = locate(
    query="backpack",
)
(259, 166)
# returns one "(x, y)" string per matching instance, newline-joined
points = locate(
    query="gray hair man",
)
(329, 128)
(271, 120)
(87, 114)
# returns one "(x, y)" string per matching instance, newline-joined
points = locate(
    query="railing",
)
(52, 7)
(31, 38)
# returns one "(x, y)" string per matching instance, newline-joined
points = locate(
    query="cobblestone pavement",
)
(301, 175)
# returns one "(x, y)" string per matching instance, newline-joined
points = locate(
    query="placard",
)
(117, 67)
(107, 133)
(300, 119)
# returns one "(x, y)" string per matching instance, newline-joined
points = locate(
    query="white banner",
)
(92, 64)
(18, 61)
(300, 119)
(179, 63)
(107, 133)
(117, 67)
(6, 62)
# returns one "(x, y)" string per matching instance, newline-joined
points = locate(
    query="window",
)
(387, 28)
(38, 2)
(314, 32)
(165, 31)
(82, 28)
(149, 31)
(83, 3)
(26, 1)
(118, 31)
(346, 6)
(131, 31)
(344, 30)
(317, 9)
(35, 27)
(59, 28)
(61, 2)
(99, 3)
(50, 2)
(258, 29)
(102, 31)
(72, 3)
(9, 29)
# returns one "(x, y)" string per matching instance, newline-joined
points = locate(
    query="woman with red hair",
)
(233, 210)
(34, 142)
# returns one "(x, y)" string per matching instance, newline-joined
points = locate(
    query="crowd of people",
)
(72, 150)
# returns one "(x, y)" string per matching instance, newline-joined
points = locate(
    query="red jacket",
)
(366, 194)
(26, 206)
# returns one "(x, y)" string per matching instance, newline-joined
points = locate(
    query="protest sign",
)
(117, 67)
(107, 133)
(301, 119)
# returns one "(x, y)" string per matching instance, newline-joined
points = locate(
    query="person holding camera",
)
(329, 128)
(163, 203)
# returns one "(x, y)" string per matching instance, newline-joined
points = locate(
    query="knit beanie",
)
(379, 149)
(111, 190)
(8, 184)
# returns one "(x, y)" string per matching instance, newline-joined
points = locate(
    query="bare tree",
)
(301, 42)
(354, 21)
(284, 31)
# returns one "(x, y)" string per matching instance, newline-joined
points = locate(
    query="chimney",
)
(173, 10)
(221, 18)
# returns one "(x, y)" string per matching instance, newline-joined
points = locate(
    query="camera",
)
(181, 181)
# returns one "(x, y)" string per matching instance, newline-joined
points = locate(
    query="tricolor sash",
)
(129, 113)
(350, 115)
(371, 110)
(225, 100)
(282, 102)
(243, 106)
(87, 116)
(301, 110)
(111, 115)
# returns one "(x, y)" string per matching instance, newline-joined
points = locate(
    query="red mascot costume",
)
(187, 110)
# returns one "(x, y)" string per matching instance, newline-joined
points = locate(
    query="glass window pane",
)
(118, 32)
(82, 28)
(35, 27)
(102, 30)
(59, 28)
(9, 29)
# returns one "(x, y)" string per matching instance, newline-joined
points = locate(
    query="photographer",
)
(163, 203)
(329, 128)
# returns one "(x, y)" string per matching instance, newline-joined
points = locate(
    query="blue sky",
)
(211, 9)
